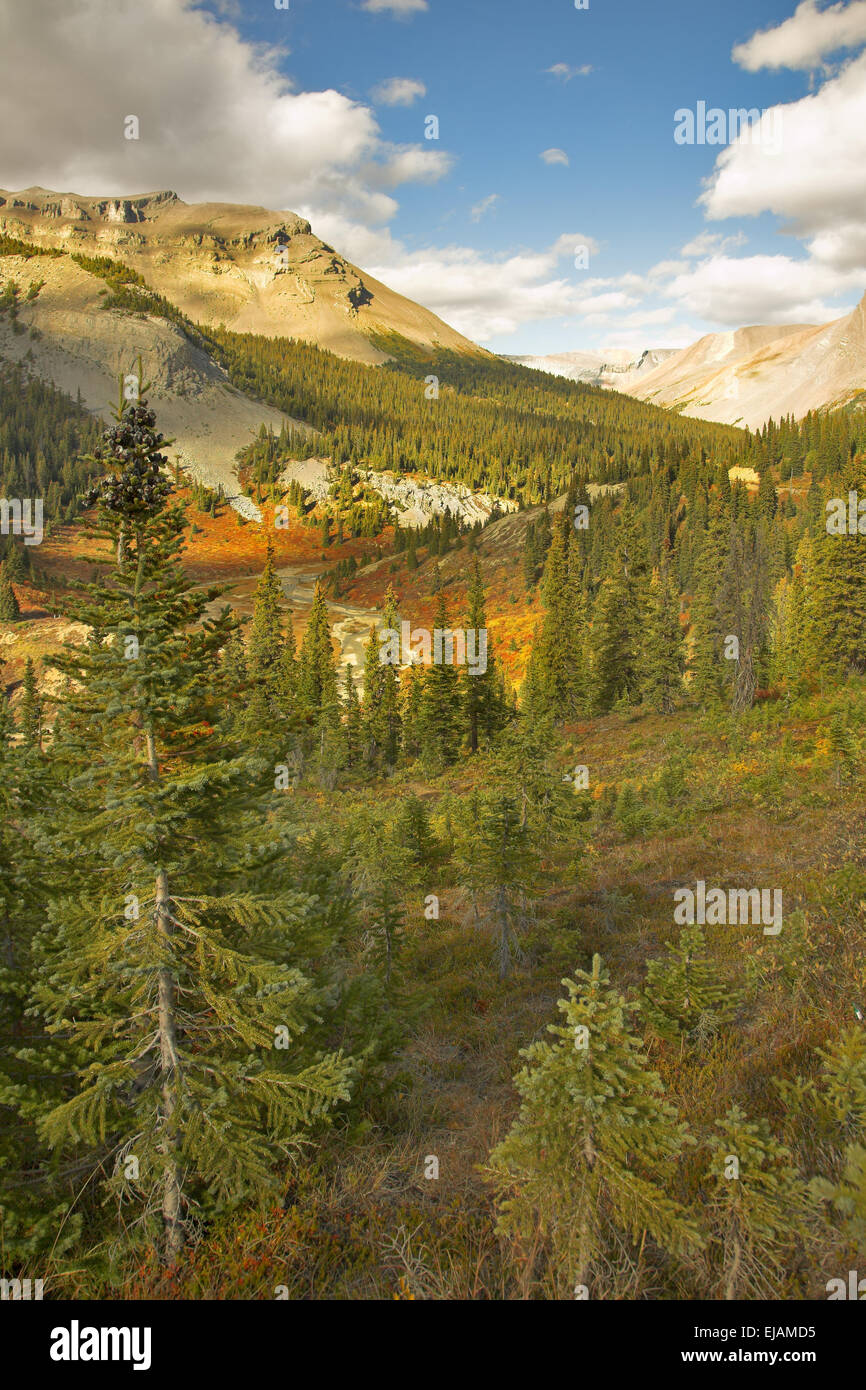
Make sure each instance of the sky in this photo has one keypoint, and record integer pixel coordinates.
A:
(556, 210)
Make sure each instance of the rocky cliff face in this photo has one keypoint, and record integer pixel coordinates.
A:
(254, 270)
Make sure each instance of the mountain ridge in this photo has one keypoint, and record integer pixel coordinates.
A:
(250, 268)
(741, 376)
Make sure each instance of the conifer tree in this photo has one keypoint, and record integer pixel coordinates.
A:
(846, 1195)
(35, 1192)
(662, 655)
(270, 658)
(552, 682)
(381, 716)
(317, 674)
(589, 1165)
(835, 637)
(766, 498)
(530, 572)
(619, 616)
(353, 721)
(837, 1116)
(745, 607)
(499, 862)
(173, 954)
(30, 717)
(481, 699)
(705, 684)
(683, 994)
(440, 704)
(412, 717)
(381, 865)
(414, 833)
(758, 1207)
(613, 645)
(10, 612)
(236, 677)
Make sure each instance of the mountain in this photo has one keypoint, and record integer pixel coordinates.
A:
(744, 377)
(737, 378)
(251, 269)
(613, 367)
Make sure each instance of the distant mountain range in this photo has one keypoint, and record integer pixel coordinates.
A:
(614, 367)
(738, 378)
(265, 272)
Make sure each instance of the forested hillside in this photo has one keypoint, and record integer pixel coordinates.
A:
(278, 933)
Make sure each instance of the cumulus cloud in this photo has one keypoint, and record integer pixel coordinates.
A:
(809, 36)
(554, 157)
(234, 130)
(734, 291)
(816, 181)
(484, 298)
(398, 91)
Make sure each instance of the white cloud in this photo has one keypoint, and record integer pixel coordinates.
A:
(806, 38)
(736, 291)
(712, 243)
(398, 91)
(816, 181)
(486, 205)
(235, 128)
(407, 164)
(401, 9)
(565, 72)
(554, 156)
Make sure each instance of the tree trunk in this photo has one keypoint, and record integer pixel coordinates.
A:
(172, 1196)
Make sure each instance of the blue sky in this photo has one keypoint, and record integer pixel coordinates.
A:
(556, 129)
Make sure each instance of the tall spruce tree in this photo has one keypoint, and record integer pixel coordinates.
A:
(835, 637)
(662, 656)
(10, 611)
(744, 603)
(482, 701)
(352, 720)
(174, 954)
(381, 713)
(440, 702)
(619, 617)
(317, 671)
(30, 714)
(270, 659)
(705, 618)
(555, 666)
